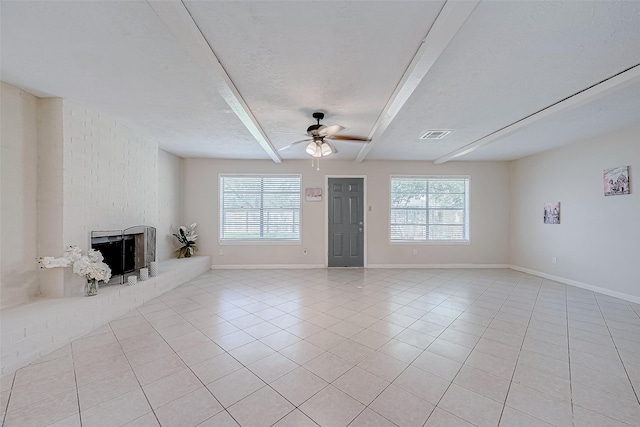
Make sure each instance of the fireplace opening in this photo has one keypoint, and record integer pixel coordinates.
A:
(126, 251)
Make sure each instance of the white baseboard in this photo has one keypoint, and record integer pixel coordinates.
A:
(438, 266)
(605, 291)
(267, 266)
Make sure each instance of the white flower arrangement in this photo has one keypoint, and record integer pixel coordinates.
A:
(91, 265)
(187, 237)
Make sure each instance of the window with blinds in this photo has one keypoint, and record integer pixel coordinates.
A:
(260, 207)
(429, 208)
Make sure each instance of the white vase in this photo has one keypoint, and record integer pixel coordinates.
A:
(144, 274)
(132, 280)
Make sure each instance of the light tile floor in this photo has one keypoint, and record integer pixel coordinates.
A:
(346, 347)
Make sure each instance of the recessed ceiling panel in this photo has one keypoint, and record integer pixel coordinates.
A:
(619, 110)
(289, 59)
(508, 61)
(119, 59)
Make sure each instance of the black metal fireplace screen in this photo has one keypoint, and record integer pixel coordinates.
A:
(126, 251)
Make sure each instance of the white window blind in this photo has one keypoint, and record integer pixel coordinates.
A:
(260, 207)
(428, 208)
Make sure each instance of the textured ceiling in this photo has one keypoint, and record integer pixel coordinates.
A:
(288, 59)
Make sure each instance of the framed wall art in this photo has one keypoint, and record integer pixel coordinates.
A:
(313, 194)
(552, 213)
(616, 181)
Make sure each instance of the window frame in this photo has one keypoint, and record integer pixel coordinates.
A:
(467, 209)
(260, 241)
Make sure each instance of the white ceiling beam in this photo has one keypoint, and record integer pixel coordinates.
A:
(177, 18)
(451, 18)
(624, 79)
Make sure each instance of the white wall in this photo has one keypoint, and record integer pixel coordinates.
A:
(18, 180)
(66, 171)
(489, 206)
(169, 203)
(598, 241)
(50, 191)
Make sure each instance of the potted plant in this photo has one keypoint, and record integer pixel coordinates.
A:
(187, 238)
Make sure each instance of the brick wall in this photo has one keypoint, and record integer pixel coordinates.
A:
(66, 171)
(110, 180)
(110, 175)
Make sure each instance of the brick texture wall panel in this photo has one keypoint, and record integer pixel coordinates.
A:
(111, 174)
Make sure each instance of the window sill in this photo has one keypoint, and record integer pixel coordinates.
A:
(260, 242)
(431, 242)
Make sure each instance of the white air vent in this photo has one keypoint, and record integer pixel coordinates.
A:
(435, 134)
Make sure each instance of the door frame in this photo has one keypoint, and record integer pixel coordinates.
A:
(326, 218)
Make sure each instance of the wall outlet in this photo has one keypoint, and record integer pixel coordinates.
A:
(220, 251)
(304, 251)
(554, 260)
(415, 252)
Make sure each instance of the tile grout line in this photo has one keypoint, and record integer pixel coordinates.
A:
(295, 407)
(134, 373)
(515, 366)
(174, 352)
(421, 353)
(188, 367)
(332, 291)
(367, 406)
(635, 392)
(75, 379)
(566, 298)
(401, 372)
(6, 409)
(246, 367)
(461, 363)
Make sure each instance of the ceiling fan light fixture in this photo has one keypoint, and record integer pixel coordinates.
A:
(317, 146)
(326, 149)
(311, 148)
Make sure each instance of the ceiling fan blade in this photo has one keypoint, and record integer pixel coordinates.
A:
(349, 138)
(286, 147)
(330, 130)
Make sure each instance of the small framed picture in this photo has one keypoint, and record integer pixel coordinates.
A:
(616, 181)
(552, 213)
(313, 194)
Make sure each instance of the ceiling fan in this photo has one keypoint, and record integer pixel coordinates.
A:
(319, 145)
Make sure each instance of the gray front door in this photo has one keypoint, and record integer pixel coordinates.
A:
(346, 222)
